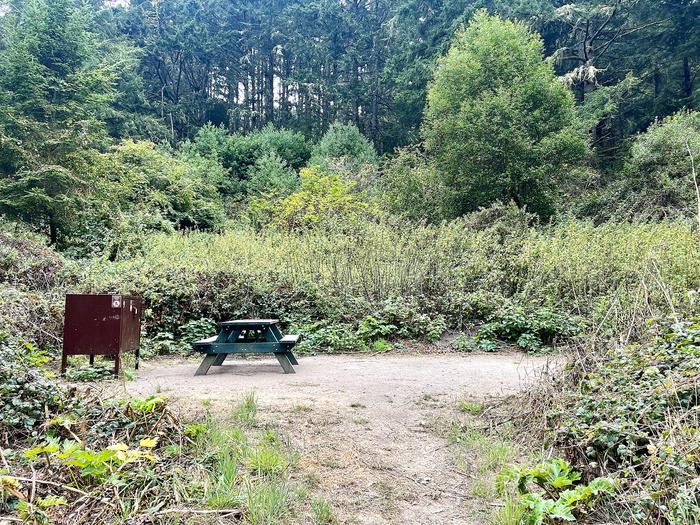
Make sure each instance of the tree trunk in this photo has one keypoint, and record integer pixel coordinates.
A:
(270, 88)
(53, 231)
(687, 80)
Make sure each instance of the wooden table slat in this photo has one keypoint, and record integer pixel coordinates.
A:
(251, 322)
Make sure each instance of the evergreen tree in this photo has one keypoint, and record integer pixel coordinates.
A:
(52, 95)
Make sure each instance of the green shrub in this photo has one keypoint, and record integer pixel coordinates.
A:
(343, 148)
(657, 182)
(497, 127)
(28, 391)
(529, 329)
(323, 199)
(559, 497)
(636, 413)
(411, 187)
(271, 178)
(335, 337)
(371, 328)
(239, 152)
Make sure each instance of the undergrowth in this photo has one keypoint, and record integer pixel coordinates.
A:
(69, 456)
(342, 291)
(630, 414)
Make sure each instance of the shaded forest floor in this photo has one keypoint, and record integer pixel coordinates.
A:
(381, 437)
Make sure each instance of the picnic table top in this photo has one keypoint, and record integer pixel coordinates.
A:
(250, 322)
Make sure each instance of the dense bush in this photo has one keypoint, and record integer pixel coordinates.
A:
(499, 127)
(474, 269)
(412, 188)
(657, 180)
(528, 328)
(271, 178)
(32, 280)
(138, 187)
(323, 200)
(28, 393)
(637, 416)
(238, 153)
(343, 147)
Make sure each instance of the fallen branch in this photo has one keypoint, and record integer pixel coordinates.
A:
(53, 484)
(226, 512)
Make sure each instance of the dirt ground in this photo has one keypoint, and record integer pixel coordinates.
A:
(366, 426)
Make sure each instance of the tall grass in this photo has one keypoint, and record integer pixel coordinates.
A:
(611, 274)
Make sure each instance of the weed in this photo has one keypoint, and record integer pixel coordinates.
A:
(497, 455)
(463, 343)
(247, 410)
(559, 495)
(312, 480)
(491, 453)
(322, 512)
(89, 373)
(270, 436)
(380, 346)
(195, 430)
(300, 409)
(470, 407)
(266, 501)
(510, 514)
(266, 461)
(483, 488)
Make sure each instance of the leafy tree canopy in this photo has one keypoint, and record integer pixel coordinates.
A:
(499, 124)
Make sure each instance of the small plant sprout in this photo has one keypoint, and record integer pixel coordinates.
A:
(470, 407)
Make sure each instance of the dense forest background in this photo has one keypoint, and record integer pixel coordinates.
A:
(180, 64)
(222, 87)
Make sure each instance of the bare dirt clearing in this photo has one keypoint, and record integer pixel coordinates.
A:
(369, 429)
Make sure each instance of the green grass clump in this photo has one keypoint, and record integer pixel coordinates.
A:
(247, 410)
(470, 407)
(267, 460)
(266, 502)
(322, 512)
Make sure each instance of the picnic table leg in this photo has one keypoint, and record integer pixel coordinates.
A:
(284, 362)
(291, 358)
(206, 363)
(219, 359)
(284, 356)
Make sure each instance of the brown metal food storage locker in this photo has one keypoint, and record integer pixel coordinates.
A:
(101, 325)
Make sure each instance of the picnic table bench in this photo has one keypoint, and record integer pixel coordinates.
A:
(247, 336)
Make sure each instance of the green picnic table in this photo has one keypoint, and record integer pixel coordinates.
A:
(247, 336)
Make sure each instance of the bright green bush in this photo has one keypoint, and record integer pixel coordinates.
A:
(137, 188)
(323, 199)
(552, 492)
(499, 125)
